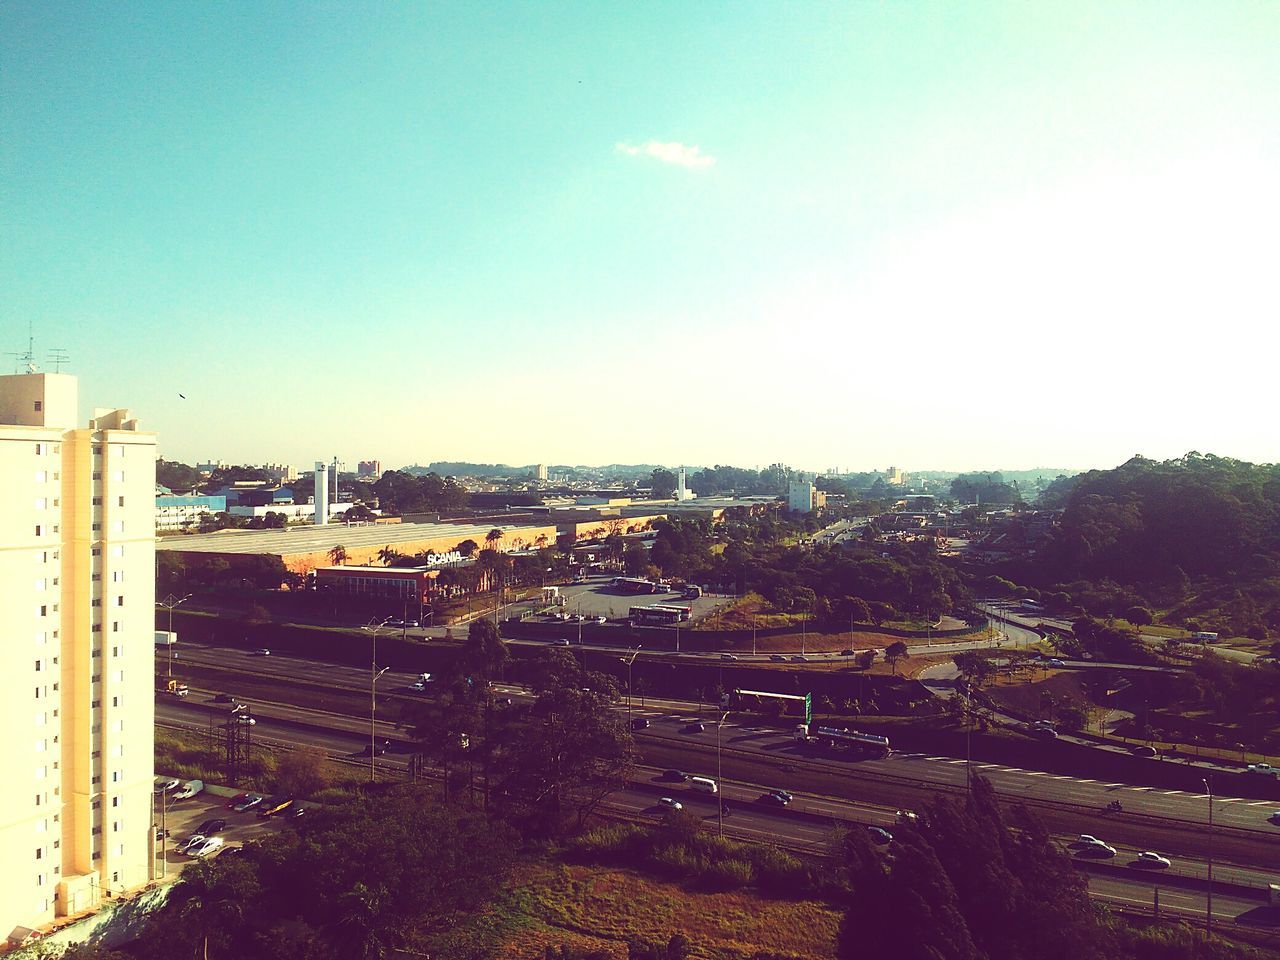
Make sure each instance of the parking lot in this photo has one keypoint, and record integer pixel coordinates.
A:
(597, 597)
(181, 817)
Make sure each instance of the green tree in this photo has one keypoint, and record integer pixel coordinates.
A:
(338, 555)
(302, 771)
(894, 653)
(662, 483)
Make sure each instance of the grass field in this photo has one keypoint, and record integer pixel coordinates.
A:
(602, 908)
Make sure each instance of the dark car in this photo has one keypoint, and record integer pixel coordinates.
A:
(778, 658)
(211, 826)
(678, 775)
(696, 727)
(377, 749)
(880, 836)
(296, 811)
(639, 723)
(846, 653)
(222, 698)
(799, 658)
(777, 798)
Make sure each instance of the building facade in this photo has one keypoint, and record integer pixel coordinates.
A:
(175, 513)
(77, 702)
(369, 468)
(804, 497)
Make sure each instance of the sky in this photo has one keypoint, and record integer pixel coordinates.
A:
(933, 235)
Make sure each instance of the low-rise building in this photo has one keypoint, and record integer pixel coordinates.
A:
(176, 513)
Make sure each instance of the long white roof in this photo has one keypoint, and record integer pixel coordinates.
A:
(315, 539)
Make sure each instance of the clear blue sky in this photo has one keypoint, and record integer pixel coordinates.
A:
(935, 235)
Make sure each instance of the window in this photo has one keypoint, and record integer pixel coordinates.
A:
(97, 449)
(97, 501)
(39, 405)
(42, 503)
(115, 801)
(39, 529)
(96, 551)
(95, 602)
(95, 653)
(97, 474)
(42, 476)
(117, 576)
(115, 626)
(44, 610)
(97, 527)
(118, 526)
(42, 584)
(38, 666)
(115, 701)
(121, 502)
(39, 853)
(120, 601)
(96, 628)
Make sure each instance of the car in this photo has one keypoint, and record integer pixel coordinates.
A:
(846, 653)
(640, 723)
(560, 643)
(778, 658)
(1263, 769)
(377, 749)
(908, 816)
(223, 698)
(1045, 733)
(418, 686)
(210, 846)
(197, 839)
(250, 801)
(238, 799)
(1152, 860)
(1144, 751)
(188, 790)
(880, 836)
(211, 826)
(1054, 662)
(261, 652)
(599, 620)
(777, 798)
(785, 794)
(678, 775)
(1097, 850)
(727, 656)
(1275, 817)
(245, 720)
(799, 658)
(696, 727)
(296, 811)
(671, 803)
(165, 784)
(274, 805)
(1087, 840)
(401, 624)
(1043, 723)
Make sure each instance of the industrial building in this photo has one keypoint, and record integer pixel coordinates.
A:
(303, 549)
(77, 564)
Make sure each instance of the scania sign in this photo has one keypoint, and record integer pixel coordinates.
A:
(443, 559)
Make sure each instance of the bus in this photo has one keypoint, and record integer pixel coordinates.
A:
(843, 737)
(685, 612)
(655, 616)
(634, 585)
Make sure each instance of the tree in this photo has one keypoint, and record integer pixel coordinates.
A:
(467, 548)
(212, 900)
(338, 555)
(866, 658)
(303, 771)
(1139, 616)
(484, 653)
(662, 483)
(387, 555)
(974, 667)
(895, 652)
(636, 558)
(492, 538)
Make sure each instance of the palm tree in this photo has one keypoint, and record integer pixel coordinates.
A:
(386, 555)
(359, 929)
(541, 541)
(211, 898)
(492, 537)
(338, 555)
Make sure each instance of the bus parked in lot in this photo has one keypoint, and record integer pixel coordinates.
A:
(655, 616)
(634, 585)
(685, 612)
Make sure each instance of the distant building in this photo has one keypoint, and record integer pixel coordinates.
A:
(369, 468)
(542, 473)
(175, 513)
(279, 472)
(804, 497)
(896, 477)
(683, 492)
(210, 467)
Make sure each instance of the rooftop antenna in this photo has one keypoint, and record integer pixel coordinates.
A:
(58, 356)
(27, 359)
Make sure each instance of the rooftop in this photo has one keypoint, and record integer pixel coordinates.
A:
(315, 539)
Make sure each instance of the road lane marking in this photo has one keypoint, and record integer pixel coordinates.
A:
(957, 761)
(1088, 781)
(1116, 785)
(1260, 803)
(1036, 773)
(1170, 793)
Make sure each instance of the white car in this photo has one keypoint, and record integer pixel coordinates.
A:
(1266, 769)
(1149, 858)
(670, 803)
(1088, 841)
(192, 842)
(211, 845)
(245, 720)
(261, 652)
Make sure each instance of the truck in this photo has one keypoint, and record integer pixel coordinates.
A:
(842, 737)
(1205, 636)
(1263, 769)
(188, 789)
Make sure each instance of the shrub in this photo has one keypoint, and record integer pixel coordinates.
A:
(674, 861)
(727, 874)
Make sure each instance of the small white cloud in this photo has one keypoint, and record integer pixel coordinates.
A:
(674, 152)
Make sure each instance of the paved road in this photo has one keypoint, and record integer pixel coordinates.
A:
(776, 747)
(809, 823)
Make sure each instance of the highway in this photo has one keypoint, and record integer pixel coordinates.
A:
(1171, 821)
(807, 825)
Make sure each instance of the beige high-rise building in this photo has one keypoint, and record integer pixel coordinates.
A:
(77, 615)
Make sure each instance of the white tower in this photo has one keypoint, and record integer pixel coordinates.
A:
(322, 493)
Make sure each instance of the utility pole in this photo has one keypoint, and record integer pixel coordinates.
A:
(753, 634)
(629, 661)
(1208, 907)
(719, 774)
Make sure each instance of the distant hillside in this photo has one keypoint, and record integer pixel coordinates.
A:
(1197, 538)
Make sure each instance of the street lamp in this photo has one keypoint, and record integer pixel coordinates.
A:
(374, 673)
(629, 661)
(719, 774)
(169, 603)
(1208, 908)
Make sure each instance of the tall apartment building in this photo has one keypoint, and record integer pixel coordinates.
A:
(77, 615)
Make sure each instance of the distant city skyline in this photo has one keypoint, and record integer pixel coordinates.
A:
(953, 234)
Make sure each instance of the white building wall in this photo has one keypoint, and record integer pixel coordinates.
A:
(76, 666)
